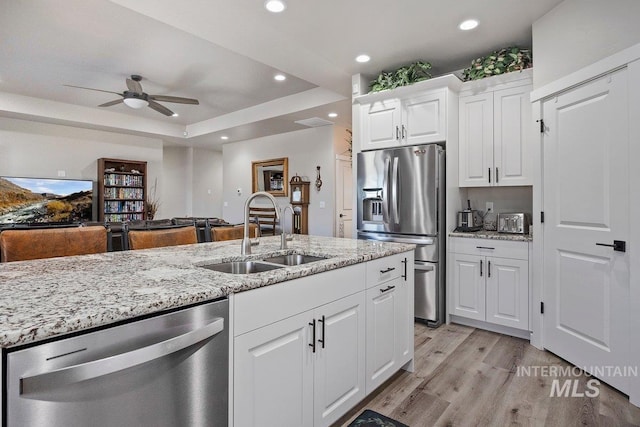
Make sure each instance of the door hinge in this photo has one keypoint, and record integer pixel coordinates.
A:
(541, 121)
(542, 216)
(541, 307)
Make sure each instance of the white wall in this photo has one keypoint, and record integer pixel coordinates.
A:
(207, 183)
(577, 33)
(305, 150)
(40, 150)
(505, 199)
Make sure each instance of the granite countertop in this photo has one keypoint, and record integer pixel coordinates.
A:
(41, 299)
(494, 235)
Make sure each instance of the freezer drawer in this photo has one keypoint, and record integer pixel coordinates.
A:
(169, 370)
(426, 292)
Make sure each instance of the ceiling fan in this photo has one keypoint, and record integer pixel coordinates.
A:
(136, 98)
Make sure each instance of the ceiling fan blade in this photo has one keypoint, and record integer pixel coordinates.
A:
(134, 86)
(110, 103)
(160, 108)
(90, 88)
(176, 99)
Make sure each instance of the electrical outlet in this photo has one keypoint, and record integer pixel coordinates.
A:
(322, 205)
(62, 174)
(489, 207)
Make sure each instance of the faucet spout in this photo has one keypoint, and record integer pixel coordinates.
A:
(283, 237)
(246, 241)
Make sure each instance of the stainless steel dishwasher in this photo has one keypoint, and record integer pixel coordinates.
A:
(168, 370)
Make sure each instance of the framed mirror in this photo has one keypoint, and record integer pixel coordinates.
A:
(271, 176)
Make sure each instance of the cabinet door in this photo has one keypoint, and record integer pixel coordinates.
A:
(508, 292)
(468, 286)
(273, 374)
(381, 124)
(424, 119)
(476, 141)
(405, 312)
(512, 136)
(383, 303)
(339, 378)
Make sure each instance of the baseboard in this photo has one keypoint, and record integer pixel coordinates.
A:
(505, 330)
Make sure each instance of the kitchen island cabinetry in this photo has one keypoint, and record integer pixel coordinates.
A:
(303, 361)
(489, 282)
(495, 132)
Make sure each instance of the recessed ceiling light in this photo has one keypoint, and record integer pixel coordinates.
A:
(467, 25)
(363, 58)
(175, 115)
(224, 137)
(332, 115)
(275, 6)
(280, 77)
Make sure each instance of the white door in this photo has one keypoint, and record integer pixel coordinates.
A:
(340, 358)
(383, 302)
(586, 190)
(275, 386)
(344, 197)
(468, 286)
(381, 124)
(508, 292)
(476, 141)
(512, 127)
(423, 119)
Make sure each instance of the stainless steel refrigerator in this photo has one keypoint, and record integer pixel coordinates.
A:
(401, 199)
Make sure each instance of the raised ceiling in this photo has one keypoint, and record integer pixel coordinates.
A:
(225, 53)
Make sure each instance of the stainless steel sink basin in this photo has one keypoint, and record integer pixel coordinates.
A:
(294, 259)
(241, 267)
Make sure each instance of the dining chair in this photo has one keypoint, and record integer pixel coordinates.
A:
(233, 232)
(161, 236)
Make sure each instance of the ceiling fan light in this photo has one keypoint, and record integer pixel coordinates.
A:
(136, 103)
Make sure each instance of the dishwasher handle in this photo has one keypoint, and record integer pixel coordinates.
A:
(119, 362)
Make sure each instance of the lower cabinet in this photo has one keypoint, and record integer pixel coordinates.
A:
(490, 281)
(302, 371)
(308, 350)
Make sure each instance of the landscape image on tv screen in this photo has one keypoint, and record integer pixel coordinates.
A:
(43, 200)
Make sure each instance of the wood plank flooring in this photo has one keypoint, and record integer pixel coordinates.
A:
(469, 377)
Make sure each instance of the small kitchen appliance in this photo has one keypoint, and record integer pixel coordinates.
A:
(514, 223)
(469, 219)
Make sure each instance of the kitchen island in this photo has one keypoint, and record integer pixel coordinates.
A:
(45, 299)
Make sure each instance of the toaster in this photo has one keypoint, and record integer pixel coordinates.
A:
(515, 223)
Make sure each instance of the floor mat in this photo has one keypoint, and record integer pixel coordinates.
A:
(371, 418)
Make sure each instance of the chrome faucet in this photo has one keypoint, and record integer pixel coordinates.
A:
(283, 237)
(246, 241)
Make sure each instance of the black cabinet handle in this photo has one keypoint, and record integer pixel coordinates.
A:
(387, 270)
(323, 339)
(618, 245)
(489, 175)
(480, 268)
(497, 176)
(484, 247)
(404, 276)
(313, 336)
(387, 289)
(397, 133)
(489, 269)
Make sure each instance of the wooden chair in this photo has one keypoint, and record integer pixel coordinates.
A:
(266, 218)
(232, 233)
(36, 243)
(160, 237)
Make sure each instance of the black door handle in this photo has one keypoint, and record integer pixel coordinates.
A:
(313, 336)
(618, 245)
(341, 215)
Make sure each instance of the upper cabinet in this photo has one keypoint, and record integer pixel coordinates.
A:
(393, 122)
(495, 132)
(409, 115)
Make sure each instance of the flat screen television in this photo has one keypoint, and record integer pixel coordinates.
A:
(45, 200)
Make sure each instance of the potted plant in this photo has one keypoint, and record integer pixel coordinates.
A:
(403, 76)
(499, 62)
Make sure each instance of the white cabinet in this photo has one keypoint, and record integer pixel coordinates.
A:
(495, 138)
(419, 119)
(389, 318)
(300, 352)
(489, 281)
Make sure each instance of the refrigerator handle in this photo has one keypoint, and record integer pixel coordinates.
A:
(385, 186)
(394, 190)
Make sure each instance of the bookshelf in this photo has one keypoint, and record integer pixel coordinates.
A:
(122, 189)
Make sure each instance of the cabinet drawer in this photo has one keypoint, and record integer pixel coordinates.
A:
(489, 247)
(382, 269)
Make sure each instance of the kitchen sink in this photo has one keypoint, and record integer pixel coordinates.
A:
(294, 259)
(241, 267)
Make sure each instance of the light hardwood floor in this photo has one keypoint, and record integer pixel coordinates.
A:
(469, 377)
